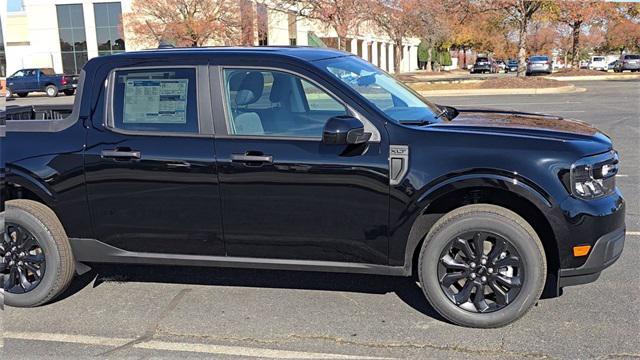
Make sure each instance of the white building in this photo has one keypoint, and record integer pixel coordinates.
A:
(64, 34)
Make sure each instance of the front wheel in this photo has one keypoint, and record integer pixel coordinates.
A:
(36, 261)
(482, 266)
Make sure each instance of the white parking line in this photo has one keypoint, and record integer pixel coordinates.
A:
(633, 233)
(621, 175)
(177, 346)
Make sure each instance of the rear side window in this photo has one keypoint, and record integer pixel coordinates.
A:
(155, 100)
(47, 71)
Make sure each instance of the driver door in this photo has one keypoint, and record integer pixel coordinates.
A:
(285, 194)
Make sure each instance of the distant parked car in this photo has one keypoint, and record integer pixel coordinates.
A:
(512, 65)
(598, 63)
(584, 64)
(501, 65)
(24, 81)
(629, 62)
(539, 64)
(485, 65)
(612, 65)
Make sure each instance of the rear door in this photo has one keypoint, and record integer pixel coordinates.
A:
(150, 165)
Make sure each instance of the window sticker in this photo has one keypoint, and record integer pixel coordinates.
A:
(155, 101)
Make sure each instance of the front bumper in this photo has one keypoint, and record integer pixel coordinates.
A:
(604, 253)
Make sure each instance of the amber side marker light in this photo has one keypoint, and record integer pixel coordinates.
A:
(581, 250)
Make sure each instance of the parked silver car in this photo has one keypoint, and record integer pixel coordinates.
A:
(628, 62)
(539, 64)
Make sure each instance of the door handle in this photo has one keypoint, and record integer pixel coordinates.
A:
(179, 165)
(252, 158)
(120, 154)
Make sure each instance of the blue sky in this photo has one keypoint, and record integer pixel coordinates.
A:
(14, 5)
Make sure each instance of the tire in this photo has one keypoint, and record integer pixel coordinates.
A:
(522, 240)
(59, 264)
(69, 92)
(23, 94)
(8, 93)
(51, 90)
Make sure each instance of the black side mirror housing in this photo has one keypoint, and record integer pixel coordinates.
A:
(344, 130)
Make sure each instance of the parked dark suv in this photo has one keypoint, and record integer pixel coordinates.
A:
(485, 65)
(306, 159)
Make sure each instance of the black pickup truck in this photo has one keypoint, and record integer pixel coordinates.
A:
(306, 159)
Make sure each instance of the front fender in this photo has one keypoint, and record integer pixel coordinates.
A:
(419, 216)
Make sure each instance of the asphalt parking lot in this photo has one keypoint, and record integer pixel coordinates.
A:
(145, 312)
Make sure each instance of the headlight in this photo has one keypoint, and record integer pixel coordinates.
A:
(594, 176)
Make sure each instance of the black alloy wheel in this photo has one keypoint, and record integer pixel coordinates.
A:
(480, 271)
(22, 260)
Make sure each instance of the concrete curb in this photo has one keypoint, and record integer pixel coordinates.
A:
(594, 77)
(526, 91)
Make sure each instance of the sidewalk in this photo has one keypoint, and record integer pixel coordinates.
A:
(484, 92)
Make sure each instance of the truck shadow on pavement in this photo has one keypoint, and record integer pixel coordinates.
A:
(406, 288)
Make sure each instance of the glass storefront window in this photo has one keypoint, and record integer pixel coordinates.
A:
(108, 18)
(73, 39)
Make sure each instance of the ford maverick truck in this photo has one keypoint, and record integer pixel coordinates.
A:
(306, 159)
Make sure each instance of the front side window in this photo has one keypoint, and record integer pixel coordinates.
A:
(382, 90)
(157, 100)
(274, 103)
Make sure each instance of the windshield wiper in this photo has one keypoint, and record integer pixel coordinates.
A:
(415, 122)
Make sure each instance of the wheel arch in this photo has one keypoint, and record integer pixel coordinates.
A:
(21, 185)
(526, 201)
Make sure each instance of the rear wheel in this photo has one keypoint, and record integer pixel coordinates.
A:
(23, 94)
(51, 90)
(36, 261)
(482, 266)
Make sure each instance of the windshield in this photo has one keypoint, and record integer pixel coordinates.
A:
(632, 57)
(382, 90)
(598, 59)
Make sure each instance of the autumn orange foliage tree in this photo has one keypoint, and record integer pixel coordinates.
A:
(186, 22)
(398, 19)
(578, 14)
(623, 29)
(343, 16)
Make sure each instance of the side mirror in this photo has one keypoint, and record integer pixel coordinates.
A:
(344, 130)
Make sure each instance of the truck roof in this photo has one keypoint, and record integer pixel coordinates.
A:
(300, 52)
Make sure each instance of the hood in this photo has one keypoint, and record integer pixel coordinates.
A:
(528, 124)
